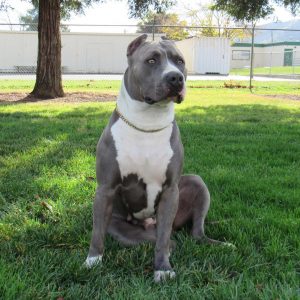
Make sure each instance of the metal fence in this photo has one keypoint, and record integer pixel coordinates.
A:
(258, 52)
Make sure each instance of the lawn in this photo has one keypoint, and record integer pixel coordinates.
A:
(246, 147)
(112, 87)
(287, 70)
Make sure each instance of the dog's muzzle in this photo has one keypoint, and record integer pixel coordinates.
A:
(174, 83)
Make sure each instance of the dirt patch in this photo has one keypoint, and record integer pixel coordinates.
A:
(286, 96)
(226, 85)
(236, 85)
(6, 98)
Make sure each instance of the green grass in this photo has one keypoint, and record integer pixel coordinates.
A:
(245, 146)
(103, 86)
(112, 87)
(287, 70)
(242, 87)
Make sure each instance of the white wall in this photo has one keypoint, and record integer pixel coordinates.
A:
(212, 55)
(81, 52)
(206, 55)
(243, 62)
(18, 49)
(296, 56)
(95, 53)
(187, 48)
(106, 53)
(270, 56)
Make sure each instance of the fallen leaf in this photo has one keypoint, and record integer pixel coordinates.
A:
(47, 205)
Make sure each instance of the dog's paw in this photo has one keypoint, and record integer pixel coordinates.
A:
(160, 276)
(92, 261)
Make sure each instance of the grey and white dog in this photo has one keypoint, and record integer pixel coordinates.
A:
(141, 194)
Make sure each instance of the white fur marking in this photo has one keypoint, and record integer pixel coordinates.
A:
(160, 276)
(145, 154)
(143, 115)
(152, 190)
(170, 67)
(92, 261)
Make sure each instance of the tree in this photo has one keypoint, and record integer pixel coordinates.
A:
(3, 5)
(216, 23)
(140, 8)
(202, 17)
(31, 18)
(252, 10)
(173, 33)
(48, 76)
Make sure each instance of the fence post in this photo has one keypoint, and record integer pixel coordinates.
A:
(293, 63)
(252, 56)
(153, 29)
(271, 56)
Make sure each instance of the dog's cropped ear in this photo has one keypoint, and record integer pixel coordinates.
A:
(165, 39)
(136, 43)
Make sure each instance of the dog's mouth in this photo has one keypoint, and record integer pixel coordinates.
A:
(171, 95)
(149, 100)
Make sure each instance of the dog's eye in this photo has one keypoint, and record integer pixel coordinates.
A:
(151, 61)
(180, 61)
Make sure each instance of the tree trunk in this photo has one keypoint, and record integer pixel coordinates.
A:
(48, 75)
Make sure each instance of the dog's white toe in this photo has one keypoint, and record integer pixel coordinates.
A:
(92, 261)
(160, 276)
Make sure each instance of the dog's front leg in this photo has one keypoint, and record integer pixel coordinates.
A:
(102, 212)
(166, 212)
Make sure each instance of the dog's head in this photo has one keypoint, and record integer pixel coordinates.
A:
(156, 71)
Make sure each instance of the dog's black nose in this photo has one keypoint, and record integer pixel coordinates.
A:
(175, 79)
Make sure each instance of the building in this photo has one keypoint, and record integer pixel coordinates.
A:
(265, 55)
(105, 53)
(206, 55)
(81, 52)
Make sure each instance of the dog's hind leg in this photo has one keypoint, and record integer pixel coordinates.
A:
(129, 234)
(194, 201)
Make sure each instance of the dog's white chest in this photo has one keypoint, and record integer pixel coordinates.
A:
(145, 154)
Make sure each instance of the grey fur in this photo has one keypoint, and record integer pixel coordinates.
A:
(182, 198)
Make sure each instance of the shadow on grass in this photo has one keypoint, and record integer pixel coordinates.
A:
(37, 165)
(51, 158)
